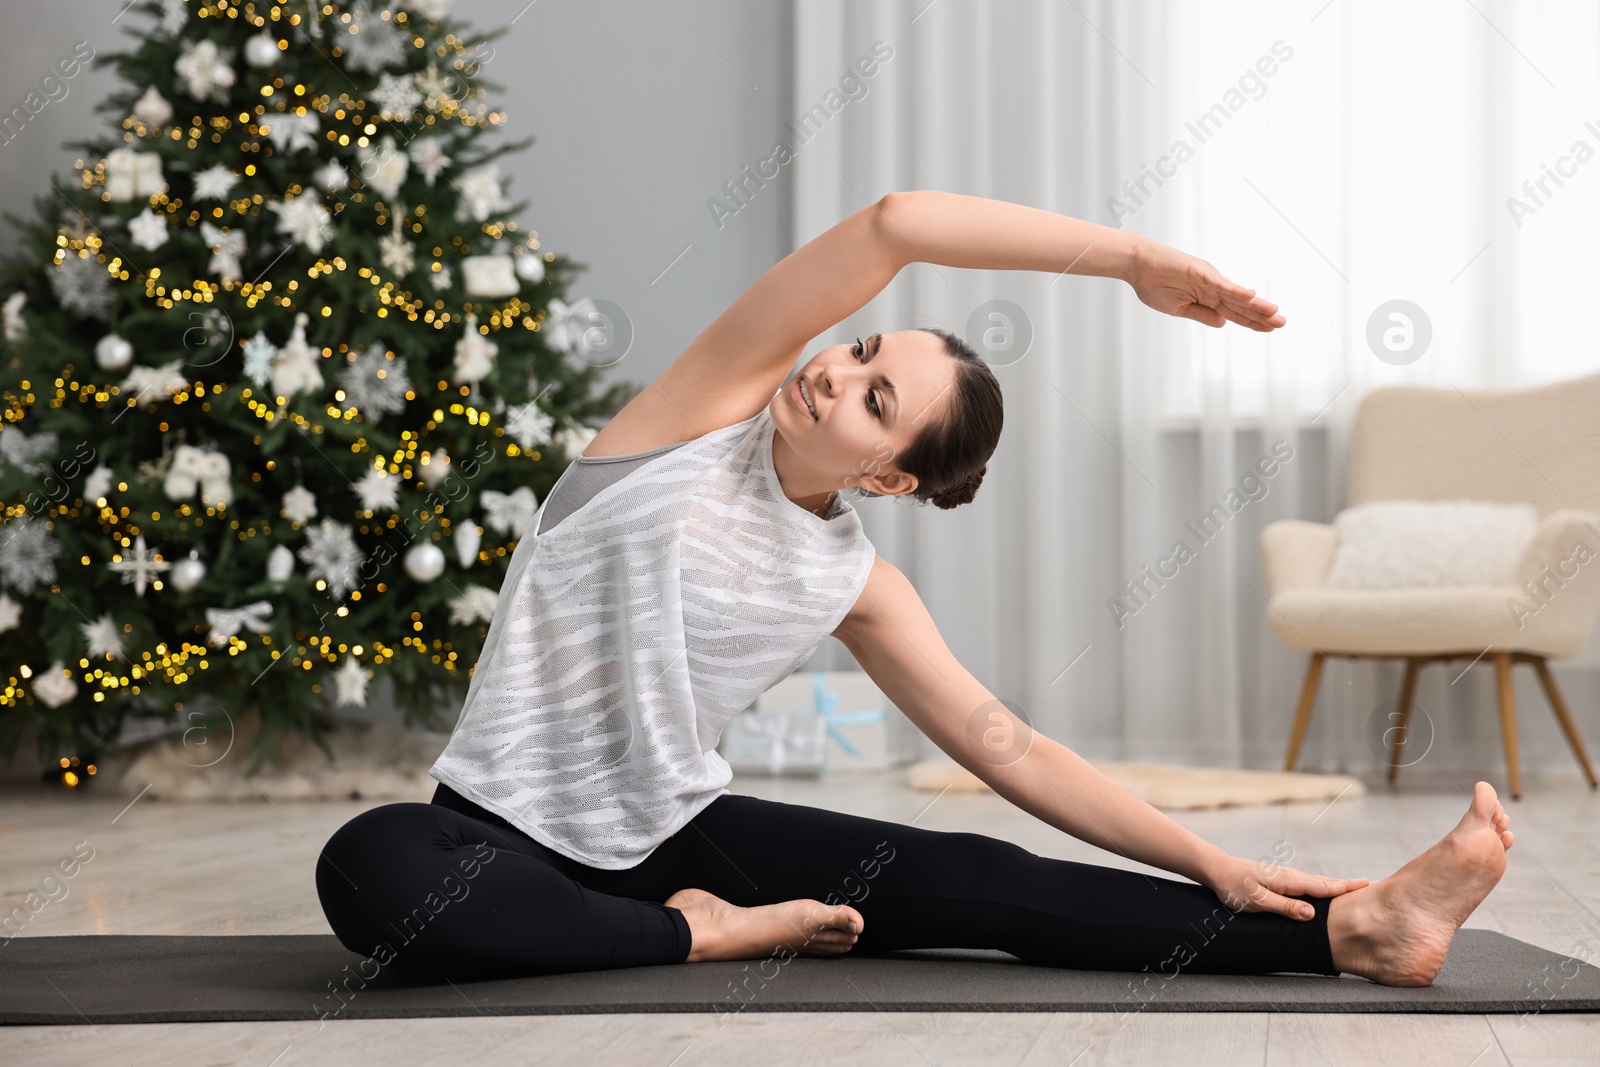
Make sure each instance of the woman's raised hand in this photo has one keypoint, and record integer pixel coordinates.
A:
(1180, 284)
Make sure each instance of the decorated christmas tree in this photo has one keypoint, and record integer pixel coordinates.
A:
(283, 380)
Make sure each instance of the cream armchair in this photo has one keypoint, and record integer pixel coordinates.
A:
(1540, 446)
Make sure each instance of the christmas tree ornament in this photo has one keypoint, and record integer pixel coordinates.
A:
(434, 467)
(384, 167)
(258, 356)
(204, 69)
(474, 354)
(16, 327)
(304, 220)
(572, 440)
(280, 564)
(10, 613)
(300, 505)
(133, 175)
(292, 130)
(103, 637)
(476, 604)
(226, 623)
(332, 556)
(332, 177)
(530, 265)
(27, 553)
(424, 561)
(154, 383)
(141, 567)
(205, 469)
(378, 490)
(214, 183)
(148, 229)
(375, 383)
(30, 453)
(113, 353)
(370, 40)
(188, 573)
(261, 50)
(98, 484)
(174, 14)
(467, 536)
(55, 686)
(82, 285)
(481, 193)
(297, 367)
(396, 96)
(490, 276)
(429, 156)
(441, 277)
(431, 9)
(397, 254)
(351, 679)
(152, 108)
(226, 248)
(509, 513)
(529, 424)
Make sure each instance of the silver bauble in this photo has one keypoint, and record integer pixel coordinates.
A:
(187, 573)
(113, 353)
(425, 561)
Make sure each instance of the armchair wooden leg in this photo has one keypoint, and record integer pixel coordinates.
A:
(1302, 715)
(1408, 689)
(1508, 720)
(1553, 692)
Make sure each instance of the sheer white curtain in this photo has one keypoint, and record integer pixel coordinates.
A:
(1335, 156)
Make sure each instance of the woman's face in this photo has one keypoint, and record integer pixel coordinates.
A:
(870, 404)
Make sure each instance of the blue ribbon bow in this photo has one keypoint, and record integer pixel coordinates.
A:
(824, 699)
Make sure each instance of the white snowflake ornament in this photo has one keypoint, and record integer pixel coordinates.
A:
(378, 490)
(215, 182)
(477, 604)
(300, 505)
(375, 383)
(429, 157)
(332, 556)
(102, 636)
(149, 230)
(305, 220)
(481, 193)
(397, 253)
(140, 567)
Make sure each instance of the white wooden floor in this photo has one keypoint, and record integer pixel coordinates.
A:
(170, 868)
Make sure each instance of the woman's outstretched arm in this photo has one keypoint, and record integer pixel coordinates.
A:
(891, 635)
(932, 226)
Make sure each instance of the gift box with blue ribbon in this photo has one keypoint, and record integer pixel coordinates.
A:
(810, 722)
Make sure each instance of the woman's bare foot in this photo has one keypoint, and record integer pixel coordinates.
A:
(722, 931)
(1397, 931)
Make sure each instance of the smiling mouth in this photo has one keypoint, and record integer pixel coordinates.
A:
(804, 396)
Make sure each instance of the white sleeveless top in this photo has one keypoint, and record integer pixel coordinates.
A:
(628, 634)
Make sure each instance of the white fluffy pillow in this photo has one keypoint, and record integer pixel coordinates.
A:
(1393, 544)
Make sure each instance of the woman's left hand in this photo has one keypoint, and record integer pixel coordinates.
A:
(1243, 885)
(1179, 284)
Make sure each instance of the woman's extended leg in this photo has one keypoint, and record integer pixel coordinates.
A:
(432, 890)
(918, 888)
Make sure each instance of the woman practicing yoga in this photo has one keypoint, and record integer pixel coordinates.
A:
(698, 552)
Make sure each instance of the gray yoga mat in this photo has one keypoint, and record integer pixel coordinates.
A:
(134, 979)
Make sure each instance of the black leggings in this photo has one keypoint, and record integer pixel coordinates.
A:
(449, 889)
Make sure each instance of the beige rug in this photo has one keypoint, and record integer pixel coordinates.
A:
(1170, 787)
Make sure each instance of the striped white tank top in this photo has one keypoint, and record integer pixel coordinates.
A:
(629, 633)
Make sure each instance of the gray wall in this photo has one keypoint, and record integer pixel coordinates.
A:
(641, 110)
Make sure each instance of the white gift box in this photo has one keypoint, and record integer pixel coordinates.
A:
(775, 743)
(859, 716)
